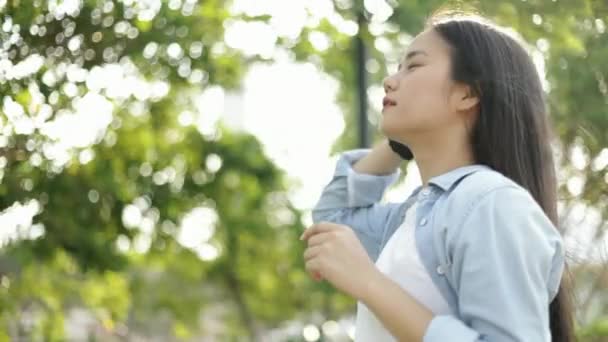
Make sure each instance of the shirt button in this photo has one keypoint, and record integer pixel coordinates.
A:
(423, 222)
(425, 192)
(440, 270)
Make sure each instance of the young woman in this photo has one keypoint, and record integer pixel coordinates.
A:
(474, 253)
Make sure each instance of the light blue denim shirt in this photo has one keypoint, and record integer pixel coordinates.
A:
(488, 246)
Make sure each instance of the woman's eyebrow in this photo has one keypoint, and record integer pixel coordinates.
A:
(411, 55)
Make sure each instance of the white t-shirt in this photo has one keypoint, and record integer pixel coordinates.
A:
(400, 261)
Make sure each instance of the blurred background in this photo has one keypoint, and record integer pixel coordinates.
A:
(159, 159)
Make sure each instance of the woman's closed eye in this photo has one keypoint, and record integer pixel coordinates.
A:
(412, 66)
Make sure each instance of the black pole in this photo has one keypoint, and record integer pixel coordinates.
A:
(360, 61)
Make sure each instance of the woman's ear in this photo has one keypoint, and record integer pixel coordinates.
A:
(465, 98)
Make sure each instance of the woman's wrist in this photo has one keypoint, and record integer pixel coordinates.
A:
(382, 160)
(372, 285)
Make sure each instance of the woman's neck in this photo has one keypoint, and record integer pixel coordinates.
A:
(440, 156)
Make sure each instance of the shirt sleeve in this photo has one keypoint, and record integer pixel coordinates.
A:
(353, 199)
(507, 261)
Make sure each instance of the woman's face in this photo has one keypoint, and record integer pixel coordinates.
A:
(419, 94)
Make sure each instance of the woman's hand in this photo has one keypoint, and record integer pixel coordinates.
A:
(335, 254)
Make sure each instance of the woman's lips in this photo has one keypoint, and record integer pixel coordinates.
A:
(386, 102)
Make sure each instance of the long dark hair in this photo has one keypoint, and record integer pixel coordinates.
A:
(512, 133)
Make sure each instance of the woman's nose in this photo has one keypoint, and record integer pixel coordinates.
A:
(390, 84)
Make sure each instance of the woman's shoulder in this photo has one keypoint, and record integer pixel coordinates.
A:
(488, 200)
(484, 181)
(479, 186)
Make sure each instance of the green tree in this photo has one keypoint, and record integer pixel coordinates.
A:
(133, 183)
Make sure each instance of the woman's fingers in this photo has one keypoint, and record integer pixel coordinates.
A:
(316, 235)
(319, 238)
(312, 267)
(318, 228)
(312, 252)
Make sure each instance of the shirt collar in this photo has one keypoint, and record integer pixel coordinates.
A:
(447, 180)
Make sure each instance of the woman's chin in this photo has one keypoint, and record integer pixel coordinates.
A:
(391, 132)
(387, 129)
